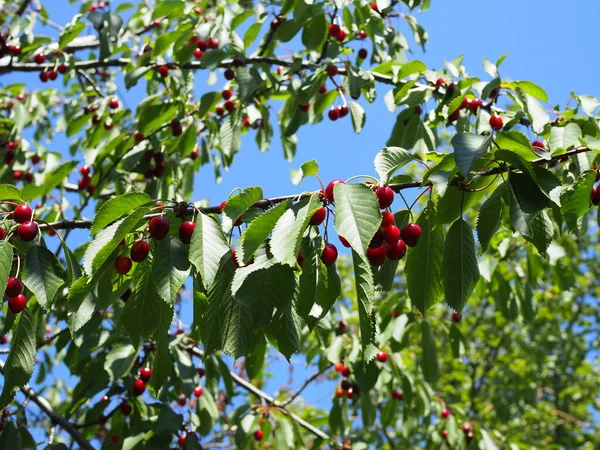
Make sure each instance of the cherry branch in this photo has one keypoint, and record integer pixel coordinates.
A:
(309, 380)
(56, 418)
(264, 396)
(22, 7)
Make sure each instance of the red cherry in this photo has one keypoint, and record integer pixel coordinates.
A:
(440, 82)
(113, 103)
(14, 287)
(258, 435)
(454, 116)
(222, 206)
(333, 114)
(362, 34)
(62, 69)
(322, 89)
(475, 104)
(123, 264)
(229, 74)
(12, 145)
(411, 234)
(201, 371)
(304, 107)
(139, 387)
(456, 316)
(229, 106)
(22, 214)
(145, 374)
(396, 251)
(496, 123)
(445, 413)
(2, 233)
(186, 230)
(466, 427)
(139, 251)
(39, 58)
(377, 239)
(198, 53)
(332, 70)
(52, 75)
(329, 189)
(374, 7)
(194, 154)
(226, 94)
(362, 53)
(219, 111)
(594, 196)
(198, 391)
(125, 408)
(158, 227)
(444, 433)
(27, 231)
(538, 145)
(398, 395)
(181, 440)
(385, 196)
(17, 304)
(163, 71)
(343, 110)
(339, 393)
(276, 23)
(339, 367)
(15, 50)
(334, 30)
(470, 436)
(84, 170)
(138, 136)
(344, 242)
(341, 36)
(319, 216)
(17, 174)
(346, 372)
(391, 234)
(329, 254)
(387, 219)
(181, 400)
(382, 357)
(35, 159)
(376, 256)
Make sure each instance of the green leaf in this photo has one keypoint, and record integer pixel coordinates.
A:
(6, 262)
(315, 32)
(117, 207)
(357, 215)
(208, 412)
(517, 142)
(541, 232)
(119, 361)
(171, 267)
(287, 234)
(309, 168)
(490, 217)
(536, 112)
(237, 332)
(43, 275)
(131, 78)
(563, 138)
(207, 103)
(258, 231)
(389, 160)
(251, 34)
(207, 248)
(9, 192)
(468, 148)
(21, 358)
(70, 33)
(533, 90)
(429, 362)
(213, 321)
(423, 263)
(357, 113)
(164, 41)
(287, 331)
(153, 116)
(575, 200)
(162, 360)
(518, 218)
(55, 177)
(238, 204)
(365, 296)
(460, 271)
(141, 313)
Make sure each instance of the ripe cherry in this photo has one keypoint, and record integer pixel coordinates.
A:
(385, 196)
(398, 395)
(226, 94)
(440, 82)
(329, 254)
(125, 408)
(334, 30)
(329, 189)
(123, 264)
(339, 393)
(276, 23)
(475, 104)
(229, 106)
(304, 107)
(444, 433)
(181, 440)
(22, 214)
(194, 154)
(538, 145)
(396, 251)
(17, 304)
(496, 123)
(374, 6)
(322, 89)
(62, 69)
(391, 234)
(158, 227)
(39, 58)
(145, 374)
(52, 75)
(387, 219)
(333, 114)
(382, 357)
(466, 427)
(594, 196)
(198, 53)
(362, 34)
(186, 230)
(456, 316)
(319, 216)
(181, 400)
(198, 391)
(201, 371)
(339, 366)
(14, 287)
(17, 174)
(27, 231)
(376, 256)
(341, 36)
(258, 435)
(2, 233)
(113, 103)
(140, 250)
(377, 239)
(163, 71)
(346, 372)
(362, 53)
(138, 136)
(343, 110)
(344, 242)
(139, 387)
(332, 70)
(445, 413)
(43, 77)
(411, 234)
(229, 74)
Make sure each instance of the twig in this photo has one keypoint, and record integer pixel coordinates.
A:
(23, 7)
(91, 83)
(56, 418)
(313, 377)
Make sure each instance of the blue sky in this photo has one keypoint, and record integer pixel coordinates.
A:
(547, 42)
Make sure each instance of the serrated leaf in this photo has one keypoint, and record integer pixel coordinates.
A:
(518, 218)
(541, 232)
(6, 262)
(517, 142)
(238, 204)
(460, 271)
(423, 263)
(357, 113)
(251, 34)
(9, 192)
(170, 267)
(141, 313)
(575, 200)
(219, 295)
(429, 361)
(119, 361)
(54, 178)
(117, 207)
(468, 148)
(43, 275)
(162, 360)
(365, 296)
(258, 231)
(153, 116)
(21, 357)
(357, 215)
(70, 33)
(533, 90)
(287, 331)
(490, 217)
(207, 248)
(287, 234)
(536, 112)
(563, 138)
(389, 160)
(315, 32)
(309, 168)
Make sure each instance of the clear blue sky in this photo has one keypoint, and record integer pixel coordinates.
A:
(547, 42)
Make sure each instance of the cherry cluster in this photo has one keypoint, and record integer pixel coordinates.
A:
(158, 169)
(85, 183)
(595, 194)
(7, 49)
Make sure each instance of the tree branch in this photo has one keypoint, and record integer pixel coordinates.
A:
(56, 418)
(313, 377)
(23, 7)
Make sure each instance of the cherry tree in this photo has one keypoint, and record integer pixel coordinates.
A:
(463, 318)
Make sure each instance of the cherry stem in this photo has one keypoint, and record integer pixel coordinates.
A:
(362, 176)
(419, 196)
(424, 163)
(484, 187)
(320, 182)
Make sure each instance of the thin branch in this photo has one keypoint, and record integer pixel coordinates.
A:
(91, 83)
(23, 7)
(313, 377)
(56, 418)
